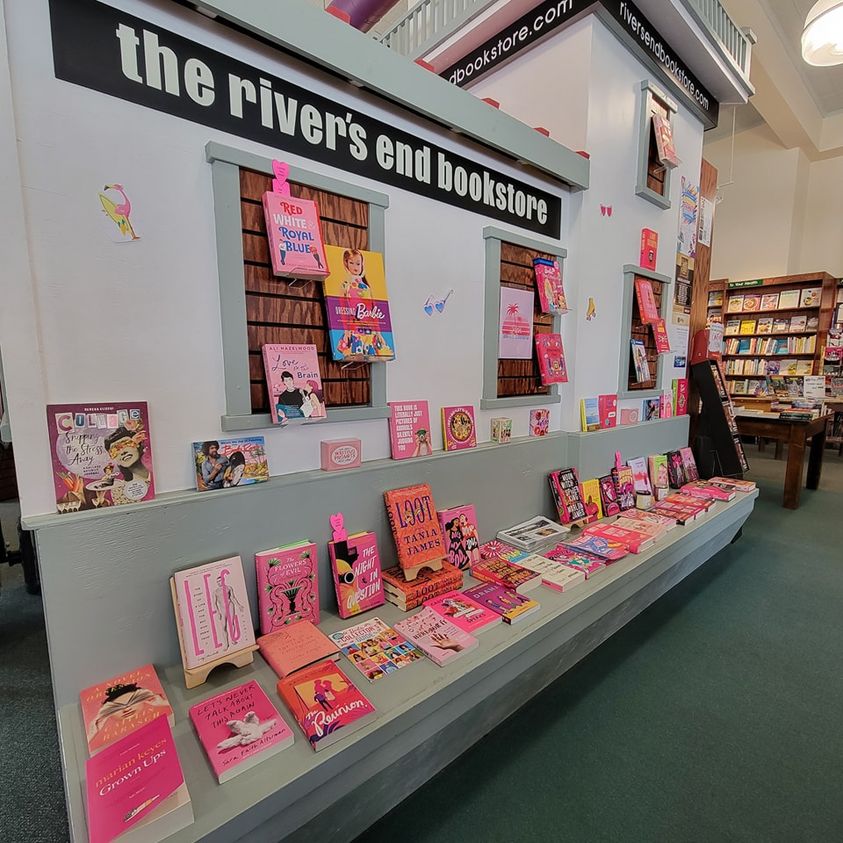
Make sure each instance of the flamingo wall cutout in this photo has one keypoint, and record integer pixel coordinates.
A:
(119, 212)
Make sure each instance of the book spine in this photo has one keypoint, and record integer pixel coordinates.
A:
(426, 590)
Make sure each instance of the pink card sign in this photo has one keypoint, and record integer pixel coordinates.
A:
(515, 339)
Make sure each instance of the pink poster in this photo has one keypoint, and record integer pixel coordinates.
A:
(515, 341)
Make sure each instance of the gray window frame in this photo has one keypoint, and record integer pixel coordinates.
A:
(649, 93)
(5, 426)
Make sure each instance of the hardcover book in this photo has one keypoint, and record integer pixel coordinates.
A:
(639, 361)
(650, 409)
(515, 336)
(506, 574)
(414, 524)
(640, 476)
(356, 569)
(643, 517)
(657, 464)
(607, 408)
(357, 304)
(633, 540)
(550, 287)
(649, 248)
(294, 232)
(463, 612)
(296, 646)
(212, 610)
(531, 535)
(609, 550)
(226, 463)
(676, 470)
(647, 307)
(660, 336)
(747, 326)
(326, 704)
(510, 605)
(769, 301)
(810, 297)
(375, 649)
(680, 396)
(293, 382)
(101, 453)
(120, 705)
(288, 589)
(781, 326)
(553, 574)
(409, 429)
(752, 302)
(152, 803)
(689, 464)
(565, 488)
(551, 357)
(589, 414)
(428, 584)
(577, 559)
(664, 141)
(590, 493)
(608, 496)
(238, 729)
(798, 324)
(735, 304)
(440, 640)
(459, 528)
(458, 428)
(539, 422)
(624, 487)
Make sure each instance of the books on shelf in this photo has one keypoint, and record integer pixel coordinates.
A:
(732, 482)
(293, 382)
(459, 529)
(650, 250)
(539, 421)
(607, 407)
(735, 304)
(533, 534)
(640, 476)
(689, 464)
(608, 496)
(660, 336)
(469, 615)
(409, 429)
(550, 286)
(706, 491)
(510, 605)
(657, 468)
(414, 524)
(238, 729)
(375, 648)
(589, 414)
(640, 363)
(325, 703)
(788, 299)
(459, 430)
(642, 517)
(428, 584)
(765, 325)
(578, 559)
(747, 326)
(565, 488)
(437, 637)
(228, 463)
(553, 573)
(296, 646)
(119, 706)
(751, 302)
(590, 494)
(798, 323)
(288, 588)
(676, 470)
(679, 387)
(506, 574)
(810, 297)
(356, 571)
(647, 308)
(515, 332)
(624, 486)
(769, 301)
(664, 141)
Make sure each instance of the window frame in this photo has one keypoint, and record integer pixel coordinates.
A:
(650, 93)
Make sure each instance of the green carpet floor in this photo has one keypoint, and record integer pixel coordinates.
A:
(715, 715)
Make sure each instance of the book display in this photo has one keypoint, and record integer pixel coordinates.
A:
(287, 586)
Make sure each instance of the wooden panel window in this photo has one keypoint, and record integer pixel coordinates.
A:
(639, 330)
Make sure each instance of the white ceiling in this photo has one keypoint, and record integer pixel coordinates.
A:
(745, 117)
(824, 83)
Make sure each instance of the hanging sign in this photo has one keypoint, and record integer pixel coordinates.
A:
(105, 49)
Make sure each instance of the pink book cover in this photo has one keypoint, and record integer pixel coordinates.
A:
(130, 779)
(609, 496)
(647, 307)
(238, 726)
(459, 527)
(296, 646)
(632, 416)
(660, 335)
(295, 236)
(608, 550)
(607, 407)
(649, 248)
(690, 464)
(463, 612)
(102, 454)
(356, 567)
(550, 286)
(579, 560)
(702, 490)
(539, 422)
(458, 428)
(441, 640)
(665, 405)
(515, 336)
(551, 357)
(495, 548)
(213, 611)
(288, 588)
(293, 382)
(409, 429)
(633, 540)
(122, 704)
(640, 476)
(506, 574)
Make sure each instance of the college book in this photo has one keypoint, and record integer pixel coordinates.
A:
(296, 646)
(463, 612)
(375, 649)
(441, 640)
(137, 785)
(288, 589)
(120, 705)
(356, 570)
(325, 703)
(293, 382)
(238, 729)
(101, 453)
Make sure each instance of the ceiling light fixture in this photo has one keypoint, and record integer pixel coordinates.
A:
(822, 38)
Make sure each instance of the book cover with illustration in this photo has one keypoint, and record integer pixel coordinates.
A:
(648, 310)
(565, 488)
(635, 541)
(649, 248)
(296, 646)
(638, 358)
(579, 560)
(409, 429)
(539, 422)
(356, 568)
(458, 428)
(752, 302)
(659, 480)
(415, 525)
(550, 286)
(609, 550)
(439, 639)
(590, 494)
(506, 574)
(607, 408)
(624, 486)
(428, 584)
(226, 463)
(676, 470)
(459, 528)
(660, 336)
(238, 729)
(357, 304)
(288, 588)
(325, 703)
(608, 496)
(101, 453)
(788, 299)
(153, 800)
(122, 704)
(212, 611)
(589, 414)
(463, 612)
(293, 382)
(689, 464)
(375, 649)
(640, 476)
(515, 335)
(530, 535)
(510, 605)
(664, 141)
(650, 409)
(680, 396)
(553, 573)
(294, 231)
(810, 297)
(551, 357)
(769, 301)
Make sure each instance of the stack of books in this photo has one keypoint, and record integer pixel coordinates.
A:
(427, 584)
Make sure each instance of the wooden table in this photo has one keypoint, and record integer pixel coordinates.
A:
(796, 435)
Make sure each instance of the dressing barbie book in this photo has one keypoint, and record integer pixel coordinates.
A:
(441, 640)
(356, 567)
(295, 236)
(409, 429)
(288, 590)
(212, 610)
(375, 649)
(102, 455)
(459, 529)
(357, 304)
(293, 382)
(226, 463)
(238, 729)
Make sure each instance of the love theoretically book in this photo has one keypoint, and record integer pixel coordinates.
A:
(356, 569)
(357, 304)
(551, 357)
(409, 429)
(459, 529)
(550, 286)
(437, 637)
(459, 430)
(415, 525)
(120, 705)
(375, 649)
(463, 612)
(238, 729)
(101, 454)
(294, 232)
(288, 588)
(227, 463)
(296, 646)
(510, 605)
(293, 382)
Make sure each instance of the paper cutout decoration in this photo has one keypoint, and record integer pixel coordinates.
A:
(433, 305)
(515, 338)
(591, 312)
(118, 211)
(606, 210)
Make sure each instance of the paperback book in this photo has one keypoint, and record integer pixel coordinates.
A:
(293, 382)
(409, 429)
(624, 486)
(288, 589)
(657, 464)
(553, 573)
(640, 476)
(506, 574)
(534, 534)
(356, 570)
(689, 464)
(579, 560)
(375, 649)
(550, 286)
(607, 549)
(226, 463)
(458, 428)
(238, 729)
(459, 529)
(633, 540)
(441, 640)
(590, 493)
(649, 248)
(510, 605)
(415, 525)
(640, 364)
(294, 232)
(647, 307)
(565, 488)
(607, 408)
(664, 141)
(589, 414)
(608, 496)
(463, 612)
(660, 337)
(676, 470)
(296, 646)
(551, 357)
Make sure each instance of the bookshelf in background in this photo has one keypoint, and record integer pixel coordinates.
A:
(716, 301)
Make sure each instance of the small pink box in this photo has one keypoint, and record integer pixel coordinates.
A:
(340, 453)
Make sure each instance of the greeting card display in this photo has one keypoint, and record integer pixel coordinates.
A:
(293, 382)
(288, 590)
(515, 340)
(295, 236)
(225, 463)
(357, 304)
(409, 429)
(356, 567)
(458, 428)
(549, 283)
(101, 454)
(415, 528)
(551, 357)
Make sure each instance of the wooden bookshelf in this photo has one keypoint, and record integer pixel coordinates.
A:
(716, 290)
